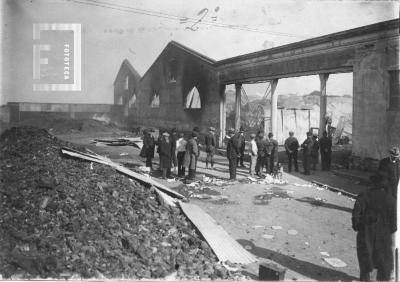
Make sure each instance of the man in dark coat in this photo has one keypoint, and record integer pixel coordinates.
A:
(232, 153)
(261, 154)
(307, 147)
(292, 146)
(314, 152)
(211, 143)
(191, 155)
(390, 168)
(273, 152)
(242, 146)
(173, 137)
(374, 219)
(325, 145)
(147, 150)
(165, 155)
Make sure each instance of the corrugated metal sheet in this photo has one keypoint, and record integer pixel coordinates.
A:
(223, 245)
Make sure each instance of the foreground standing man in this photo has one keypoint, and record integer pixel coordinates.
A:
(165, 149)
(261, 154)
(232, 153)
(181, 149)
(390, 168)
(242, 145)
(325, 145)
(191, 155)
(314, 152)
(307, 147)
(211, 143)
(273, 152)
(374, 219)
(253, 151)
(292, 147)
(147, 150)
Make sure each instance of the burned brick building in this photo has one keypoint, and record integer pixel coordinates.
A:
(178, 91)
(183, 88)
(126, 87)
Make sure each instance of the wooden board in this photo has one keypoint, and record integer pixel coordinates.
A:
(334, 189)
(223, 245)
(121, 169)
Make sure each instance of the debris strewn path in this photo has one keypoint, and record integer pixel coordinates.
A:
(296, 225)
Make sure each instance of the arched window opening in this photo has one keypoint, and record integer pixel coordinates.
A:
(132, 101)
(193, 99)
(155, 102)
(126, 83)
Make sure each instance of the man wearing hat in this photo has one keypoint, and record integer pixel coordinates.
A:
(147, 150)
(314, 152)
(325, 144)
(191, 155)
(307, 147)
(242, 145)
(210, 142)
(374, 220)
(390, 168)
(232, 153)
(165, 155)
(262, 145)
(291, 147)
(273, 152)
(173, 137)
(181, 150)
(253, 152)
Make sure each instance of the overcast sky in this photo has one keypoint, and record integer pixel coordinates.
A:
(139, 30)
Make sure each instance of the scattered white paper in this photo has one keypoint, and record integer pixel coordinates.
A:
(335, 262)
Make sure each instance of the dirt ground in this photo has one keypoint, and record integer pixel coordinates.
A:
(295, 225)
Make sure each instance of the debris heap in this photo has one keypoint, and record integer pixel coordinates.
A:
(61, 217)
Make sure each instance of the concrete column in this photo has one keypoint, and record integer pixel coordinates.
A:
(238, 103)
(274, 108)
(222, 114)
(323, 77)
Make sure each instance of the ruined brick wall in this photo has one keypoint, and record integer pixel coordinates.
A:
(191, 71)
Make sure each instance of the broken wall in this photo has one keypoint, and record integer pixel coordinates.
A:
(375, 126)
(171, 113)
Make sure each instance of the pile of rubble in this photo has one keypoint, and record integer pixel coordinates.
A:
(62, 218)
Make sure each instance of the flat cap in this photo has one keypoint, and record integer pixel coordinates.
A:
(395, 152)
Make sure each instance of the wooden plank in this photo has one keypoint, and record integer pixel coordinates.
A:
(165, 200)
(121, 169)
(334, 189)
(223, 245)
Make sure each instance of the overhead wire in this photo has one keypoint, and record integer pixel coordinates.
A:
(158, 14)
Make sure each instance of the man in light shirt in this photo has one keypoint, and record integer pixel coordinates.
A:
(180, 150)
(253, 150)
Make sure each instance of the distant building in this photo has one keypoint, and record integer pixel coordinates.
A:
(126, 87)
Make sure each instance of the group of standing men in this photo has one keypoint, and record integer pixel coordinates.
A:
(263, 152)
(177, 152)
(311, 148)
